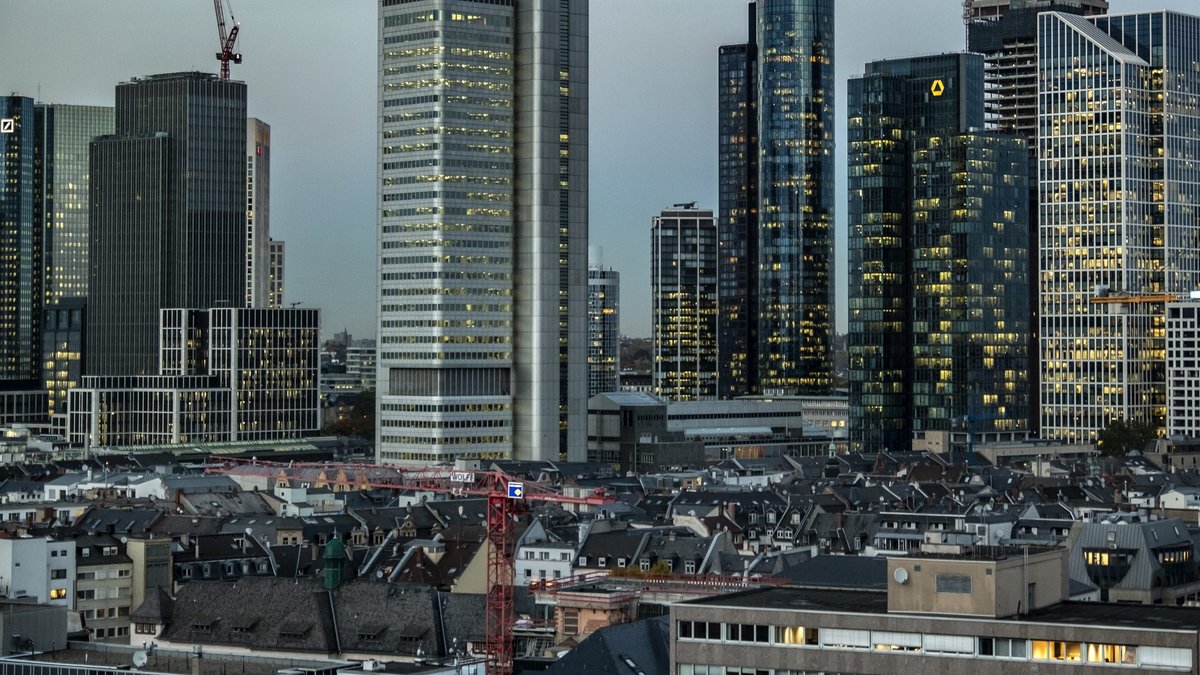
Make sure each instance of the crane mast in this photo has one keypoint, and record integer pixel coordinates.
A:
(227, 40)
(506, 498)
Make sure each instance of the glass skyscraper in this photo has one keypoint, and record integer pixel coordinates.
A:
(482, 230)
(1118, 142)
(683, 277)
(21, 244)
(776, 200)
(939, 275)
(168, 213)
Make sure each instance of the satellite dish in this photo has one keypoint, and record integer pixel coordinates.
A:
(139, 658)
(900, 575)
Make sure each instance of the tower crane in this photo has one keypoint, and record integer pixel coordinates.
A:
(506, 498)
(227, 40)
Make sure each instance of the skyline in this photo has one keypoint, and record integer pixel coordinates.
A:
(653, 138)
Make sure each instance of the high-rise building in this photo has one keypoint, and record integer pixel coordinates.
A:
(275, 274)
(683, 278)
(1005, 32)
(64, 136)
(65, 133)
(604, 325)
(168, 213)
(20, 247)
(939, 272)
(776, 167)
(1120, 185)
(482, 230)
(258, 213)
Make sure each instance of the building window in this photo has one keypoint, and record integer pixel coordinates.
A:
(840, 638)
(645, 564)
(746, 632)
(1098, 653)
(887, 641)
(58, 574)
(603, 561)
(1051, 650)
(58, 593)
(795, 635)
(699, 630)
(689, 567)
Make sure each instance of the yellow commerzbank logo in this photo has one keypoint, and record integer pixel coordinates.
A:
(937, 88)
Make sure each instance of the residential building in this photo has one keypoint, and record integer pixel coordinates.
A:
(227, 374)
(482, 230)
(939, 282)
(103, 590)
(683, 278)
(38, 568)
(604, 325)
(21, 273)
(258, 213)
(361, 363)
(1118, 192)
(776, 197)
(167, 213)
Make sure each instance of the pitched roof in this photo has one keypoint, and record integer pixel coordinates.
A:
(638, 648)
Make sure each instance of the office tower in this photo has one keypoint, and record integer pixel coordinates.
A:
(776, 200)
(168, 213)
(604, 325)
(483, 230)
(20, 247)
(258, 213)
(1005, 32)
(1119, 184)
(275, 274)
(65, 133)
(1183, 375)
(226, 374)
(683, 278)
(939, 314)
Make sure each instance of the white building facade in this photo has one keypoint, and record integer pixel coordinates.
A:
(482, 230)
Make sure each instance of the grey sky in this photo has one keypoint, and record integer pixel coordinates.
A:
(311, 70)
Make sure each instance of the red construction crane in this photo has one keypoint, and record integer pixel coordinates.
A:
(227, 41)
(506, 497)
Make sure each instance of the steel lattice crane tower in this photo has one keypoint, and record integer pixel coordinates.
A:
(226, 55)
(506, 498)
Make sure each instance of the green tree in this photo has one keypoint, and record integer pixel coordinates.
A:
(1121, 436)
(360, 421)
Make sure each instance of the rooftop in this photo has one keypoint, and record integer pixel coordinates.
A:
(1148, 617)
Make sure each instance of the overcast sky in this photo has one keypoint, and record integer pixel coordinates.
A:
(311, 70)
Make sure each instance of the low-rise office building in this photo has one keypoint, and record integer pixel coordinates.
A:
(996, 611)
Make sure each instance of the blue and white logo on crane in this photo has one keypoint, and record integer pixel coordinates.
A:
(516, 490)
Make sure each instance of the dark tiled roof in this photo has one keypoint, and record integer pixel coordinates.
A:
(156, 608)
(624, 649)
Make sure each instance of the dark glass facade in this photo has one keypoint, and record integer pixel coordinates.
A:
(63, 338)
(683, 278)
(777, 114)
(20, 246)
(939, 313)
(168, 213)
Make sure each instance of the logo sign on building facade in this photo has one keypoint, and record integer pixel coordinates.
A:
(937, 88)
(8, 125)
(516, 490)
